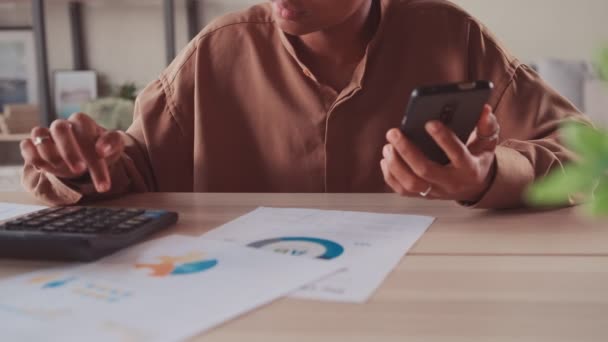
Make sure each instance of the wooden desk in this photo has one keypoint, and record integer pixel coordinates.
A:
(475, 276)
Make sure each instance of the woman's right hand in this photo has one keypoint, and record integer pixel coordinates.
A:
(73, 147)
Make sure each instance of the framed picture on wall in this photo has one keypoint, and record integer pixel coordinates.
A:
(18, 74)
(72, 90)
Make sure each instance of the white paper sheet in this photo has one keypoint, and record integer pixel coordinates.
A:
(369, 245)
(164, 290)
(11, 210)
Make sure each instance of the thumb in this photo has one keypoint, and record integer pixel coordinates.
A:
(110, 146)
(486, 135)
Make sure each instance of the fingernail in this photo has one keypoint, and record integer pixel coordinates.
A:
(433, 127)
(103, 187)
(387, 151)
(393, 136)
(80, 166)
(107, 150)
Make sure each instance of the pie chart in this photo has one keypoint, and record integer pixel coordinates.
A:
(301, 246)
(191, 263)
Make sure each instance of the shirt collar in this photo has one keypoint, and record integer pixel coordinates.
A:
(360, 71)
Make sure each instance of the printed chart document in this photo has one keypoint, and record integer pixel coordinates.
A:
(368, 245)
(11, 210)
(164, 290)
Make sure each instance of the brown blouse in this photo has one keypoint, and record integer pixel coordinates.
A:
(237, 111)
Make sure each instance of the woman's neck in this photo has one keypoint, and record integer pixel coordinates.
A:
(344, 43)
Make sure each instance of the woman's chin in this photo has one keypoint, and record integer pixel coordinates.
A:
(294, 28)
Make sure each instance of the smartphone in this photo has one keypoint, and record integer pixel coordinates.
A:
(458, 106)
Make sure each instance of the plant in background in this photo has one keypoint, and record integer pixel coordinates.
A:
(111, 112)
(602, 63)
(127, 91)
(115, 112)
(583, 181)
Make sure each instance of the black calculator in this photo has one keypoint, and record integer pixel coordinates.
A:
(78, 233)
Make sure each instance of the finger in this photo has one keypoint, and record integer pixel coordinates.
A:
(480, 123)
(100, 174)
(391, 181)
(394, 184)
(87, 132)
(487, 125)
(46, 149)
(456, 151)
(84, 125)
(30, 156)
(402, 173)
(411, 155)
(487, 134)
(68, 147)
(110, 146)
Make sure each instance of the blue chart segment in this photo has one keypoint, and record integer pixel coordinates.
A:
(302, 246)
(58, 283)
(194, 267)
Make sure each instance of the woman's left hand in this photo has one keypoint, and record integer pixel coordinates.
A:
(467, 178)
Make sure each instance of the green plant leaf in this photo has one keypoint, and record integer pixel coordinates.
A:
(591, 144)
(598, 206)
(599, 203)
(602, 62)
(560, 185)
(586, 180)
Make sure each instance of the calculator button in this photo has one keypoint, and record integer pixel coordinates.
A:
(70, 210)
(135, 211)
(140, 221)
(125, 226)
(98, 226)
(122, 218)
(33, 223)
(146, 217)
(49, 229)
(132, 222)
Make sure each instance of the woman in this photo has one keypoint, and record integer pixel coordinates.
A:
(304, 96)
